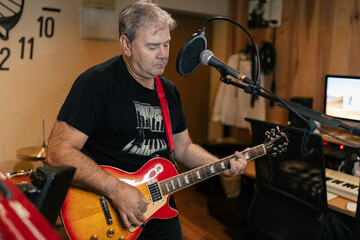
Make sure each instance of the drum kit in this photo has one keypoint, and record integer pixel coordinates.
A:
(35, 153)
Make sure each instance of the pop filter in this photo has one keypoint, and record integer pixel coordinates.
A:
(188, 58)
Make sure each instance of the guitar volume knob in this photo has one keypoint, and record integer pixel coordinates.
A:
(110, 232)
(94, 237)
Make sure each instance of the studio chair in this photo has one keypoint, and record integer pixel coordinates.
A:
(290, 200)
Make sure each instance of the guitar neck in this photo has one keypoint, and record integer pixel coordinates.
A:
(204, 172)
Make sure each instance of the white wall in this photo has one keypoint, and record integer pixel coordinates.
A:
(33, 90)
(204, 7)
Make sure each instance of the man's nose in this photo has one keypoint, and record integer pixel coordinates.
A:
(163, 52)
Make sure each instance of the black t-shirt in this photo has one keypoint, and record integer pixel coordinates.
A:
(122, 118)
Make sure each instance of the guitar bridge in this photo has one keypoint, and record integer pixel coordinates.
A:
(106, 210)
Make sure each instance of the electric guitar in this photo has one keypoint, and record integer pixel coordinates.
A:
(86, 215)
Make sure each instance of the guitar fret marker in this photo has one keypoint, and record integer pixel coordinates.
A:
(172, 183)
(212, 170)
(247, 155)
(186, 179)
(198, 174)
(167, 187)
(179, 182)
(222, 165)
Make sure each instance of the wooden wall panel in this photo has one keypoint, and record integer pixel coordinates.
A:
(195, 88)
(317, 37)
(354, 58)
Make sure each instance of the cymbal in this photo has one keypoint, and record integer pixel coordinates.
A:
(36, 152)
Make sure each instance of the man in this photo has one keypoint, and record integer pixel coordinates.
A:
(112, 117)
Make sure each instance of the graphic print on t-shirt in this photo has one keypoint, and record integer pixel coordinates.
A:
(149, 121)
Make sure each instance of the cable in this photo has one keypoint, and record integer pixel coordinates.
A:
(306, 120)
(252, 41)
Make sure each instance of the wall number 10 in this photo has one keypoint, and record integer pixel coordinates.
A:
(46, 29)
(47, 26)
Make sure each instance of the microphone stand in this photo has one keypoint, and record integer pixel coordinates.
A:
(250, 89)
(301, 111)
(306, 114)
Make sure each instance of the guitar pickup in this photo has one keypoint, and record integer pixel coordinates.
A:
(154, 191)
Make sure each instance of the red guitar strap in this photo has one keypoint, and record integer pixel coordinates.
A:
(166, 116)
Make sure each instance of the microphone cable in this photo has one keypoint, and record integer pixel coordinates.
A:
(257, 82)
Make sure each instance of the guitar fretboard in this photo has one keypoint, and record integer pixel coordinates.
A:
(204, 172)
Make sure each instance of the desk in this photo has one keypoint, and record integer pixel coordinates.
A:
(337, 204)
(341, 134)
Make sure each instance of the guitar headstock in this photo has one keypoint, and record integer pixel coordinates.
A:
(276, 142)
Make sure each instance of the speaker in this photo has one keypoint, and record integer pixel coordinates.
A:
(54, 184)
(294, 120)
(48, 188)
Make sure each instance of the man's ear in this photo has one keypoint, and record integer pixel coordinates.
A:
(125, 44)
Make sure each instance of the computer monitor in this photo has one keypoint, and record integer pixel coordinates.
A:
(342, 98)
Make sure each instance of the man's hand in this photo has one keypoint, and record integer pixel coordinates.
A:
(131, 205)
(236, 167)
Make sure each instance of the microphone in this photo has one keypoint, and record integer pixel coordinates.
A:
(207, 58)
(188, 57)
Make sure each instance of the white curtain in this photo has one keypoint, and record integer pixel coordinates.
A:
(232, 104)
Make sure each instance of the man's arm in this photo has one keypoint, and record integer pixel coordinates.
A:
(193, 155)
(63, 149)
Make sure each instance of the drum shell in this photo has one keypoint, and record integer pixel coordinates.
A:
(20, 176)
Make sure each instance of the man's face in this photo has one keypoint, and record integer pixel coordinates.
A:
(149, 52)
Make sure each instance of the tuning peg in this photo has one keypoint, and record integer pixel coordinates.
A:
(284, 149)
(274, 154)
(267, 134)
(272, 131)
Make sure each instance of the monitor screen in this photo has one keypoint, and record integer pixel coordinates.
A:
(342, 97)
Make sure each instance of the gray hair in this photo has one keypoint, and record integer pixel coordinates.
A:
(142, 14)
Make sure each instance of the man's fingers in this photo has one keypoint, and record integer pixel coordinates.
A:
(140, 216)
(233, 168)
(145, 200)
(134, 220)
(144, 209)
(238, 166)
(125, 220)
(131, 219)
